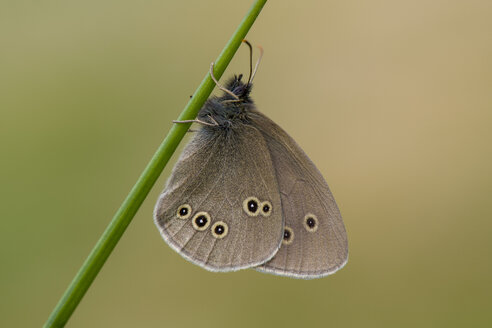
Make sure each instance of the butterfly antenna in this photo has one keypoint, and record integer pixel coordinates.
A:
(257, 63)
(217, 83)
(250, 59)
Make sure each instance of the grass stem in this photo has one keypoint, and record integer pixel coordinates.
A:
(105, 245)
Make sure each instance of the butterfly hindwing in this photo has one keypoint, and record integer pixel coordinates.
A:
(221, 208)
(315, 241)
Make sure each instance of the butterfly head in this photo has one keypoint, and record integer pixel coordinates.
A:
(235, 103)
(239, 88)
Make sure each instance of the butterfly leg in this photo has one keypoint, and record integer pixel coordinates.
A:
(194, 121)
(217, 83)
(214, 122)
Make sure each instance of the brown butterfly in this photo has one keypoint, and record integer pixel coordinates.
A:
(243, 194)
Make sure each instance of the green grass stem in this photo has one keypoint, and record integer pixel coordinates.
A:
(105, 245)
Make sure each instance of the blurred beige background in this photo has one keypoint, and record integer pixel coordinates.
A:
(391, 99)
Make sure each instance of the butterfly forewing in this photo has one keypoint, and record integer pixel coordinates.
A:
(221, 208)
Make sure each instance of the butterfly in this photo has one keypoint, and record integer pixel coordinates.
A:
(243, 194)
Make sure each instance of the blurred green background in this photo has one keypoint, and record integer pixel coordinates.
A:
(391, 99)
